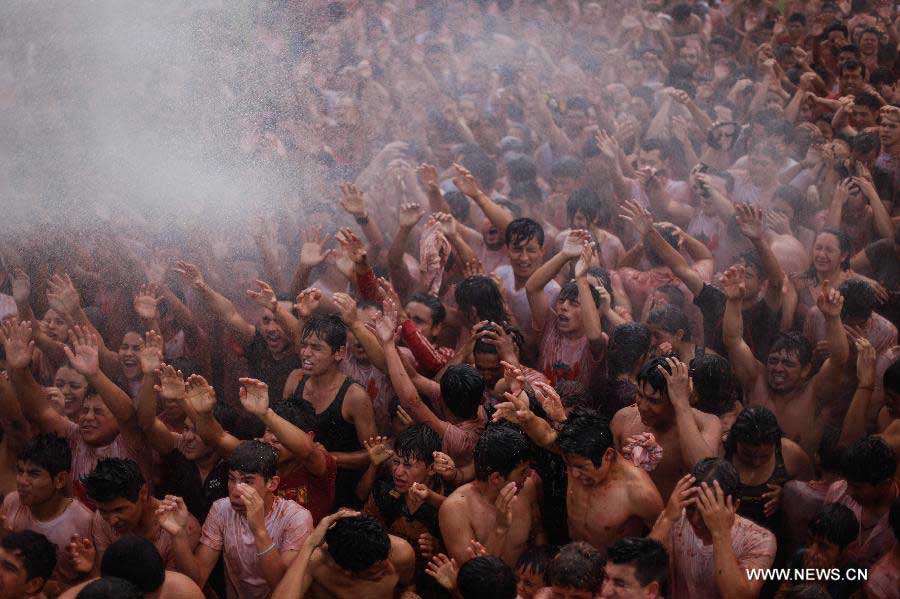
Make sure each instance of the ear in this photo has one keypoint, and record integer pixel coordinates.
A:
(145, 493)
(494, 478)
(272, 483)
(804, 372)
(340, 353)
(609, 456)
(61, 480)
(34, 586)
(652, 590)
(679, 334)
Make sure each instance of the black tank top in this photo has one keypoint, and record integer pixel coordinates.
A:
(332, 431)
(752, 502)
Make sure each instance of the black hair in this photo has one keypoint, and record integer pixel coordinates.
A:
(708, 470)
(566, 166)
(486, 577)
(137, 560)
(835, 523)
(528, 191)
(629, 343)
(110, 588)
(577, 103)
(830, 452)
(870, 460)
(648, 556)
(681, 13)
(513, 207)
(755, 425)
(586, 434)
(483, 347)
(482, 168)
(481, 293)
(459, 204)
(573, 394)
(671, 319)
(523, 230)
(114, 478)
(793, 343)
(752, 259)
(418, 442)
(301, 414)
(438, 311)
(586, 201)
(577, 566)
(651, 375)
(328, 328)
(835, 26)
(569, 291)
(254, 457)
(462, 390)
(881, 76)
(791, 196)
(37, 553)
(49, 452)
(715, 385)
(797, 17)
(859, 299)
(500, 449)
(894, 517)
(851, 65)
(536, 559)
(670, 237)
(521, 168)
(868, 100)
(357, 542)
(891, 378)
(673, 293)
(865, 142)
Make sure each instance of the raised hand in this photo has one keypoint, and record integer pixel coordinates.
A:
(428, 543)
(639, 218)
(156, 270)
(21, 286)
(772, 499)
(307, 302)
(716, 509)
(678, 382)
(680, 497)
(410, 214)
(550, 401)
(574, 242)
(146, 301)
(82, 554)
(317, 537)
(253, 503)
(733, 282)
(265, 297)
(386, 323)
(352, 201)
(199, 395)
(352, 246)
(779, 222)
(444, 571)
(865, 363)
(190, 273)
(84, 353)
(16, 340)
(171, 383)
(503, 341)
(151, 354)
(428, 175)
(506, 501)
(388, 291)
(346, 306)
(254, 396)
(585, 260)
(173, 514)
(473, 267)
(830, 301)
(465, 182)
(311, 252)
(750, 220)
(378, 450)
(444, 466)
(448, 223)
(608, 146)
(515, 409)
(62, 295)
(417, 493)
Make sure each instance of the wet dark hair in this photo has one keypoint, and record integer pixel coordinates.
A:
(527, 191)
(500, 449)
(462, 390)
(629, 343)
(37, 553)
(486, 577)
(586, 201)
(438, 311)
(708, 470)
(328, 328)
(650, 374)
(301, 414)
(482, 167)
(865, 142)
(894, 517)
(459, 204)
(573, 394)
(577, 566)
(793, 343)
(114, 478)
(357, 542)
(756, 426)
(681, 13)
(859, 299)
(851, 65)
(831, 454)
(752, 259)
(869, 461)
(797, 17)
(586, 434)
(48, 452)
(868, 100)
(136, 560)
(673, 293)
(521, 167)
(481, 293)
(835, 523)
(648, 556)
(483, 347)
(110, 588)
(254, 457)
(523, 230)
(715, 385)
(791, 196)
(536, 559)
(418, 442)
(671, 319)
(891, 378)
(566, 166)
(881, 76)
(569, 292)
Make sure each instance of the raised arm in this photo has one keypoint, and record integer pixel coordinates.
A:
(750, 220)
(534, 287)
(830, 302)
(745, 365)
(199, 401)
(346, 306)
(695, 444)
(157, 377)
(590, 314)
(466, 183)
(883, 223)
(217, 303)
(84, 357)
(856, 418)
(353, 202)
(266, 298)
(312, 254)
(410, 214)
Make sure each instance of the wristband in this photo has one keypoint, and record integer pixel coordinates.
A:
(265, 551)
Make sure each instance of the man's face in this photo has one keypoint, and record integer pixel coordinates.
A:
(889, 133)
(491, 235)
(761, 167)
(73, 387)
(850, 81)
(658, 336)
(283, 454)
(862, 117)
(528, 583)
(784, 373)
(132, 344)
(690, 55)
(580, 221)
(407, 470)
(488, 366)
(796, 30)
(564, 185)
(193, 446)
(568, 313)
(752, 281)
(123, 515)
(423, 318)
(619, 582)
(272, 332)
(96, 423)
(316, 356)
(650, 159)
(14, 583)
(583, 470)
(518, 475)
(866, 493)
(259, 484)
(821, 553)
(868, 43)
(525, 258)
(653, 406)
(575, 121)
(35, 485)
(755, 456)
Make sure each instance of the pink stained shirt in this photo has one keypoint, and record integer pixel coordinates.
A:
(225, 530)
(692, 565)
(105, 535)
(872, 543)
(75, 520)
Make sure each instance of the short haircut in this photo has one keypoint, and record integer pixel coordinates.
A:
(629, 343)
(114, 478)
(651, 375)
(716, 387)
(482, 168)
(577, 566)
(418, 442)
(709, 470)
(793, 343)
(486, 577)
(462, 390)
(523, 230)
(869, 461)
(891, 378)
(673, 293)
(529, 191)
(438, 311)
(648, 556)
(137, 560)
(671, 319)
(301, 414)
(328, 328)
(521, 168)
(536, 559)
(570, 292)
(755, 425)
(586, 434)
(481, 293)
(500, 449)
(48, 452)
(868, 100)
(894, 517)
(584, 200)
(835, 523)
(851, 65)
(752, 259)
(37, 553)
(254, 457)
(357, 542)
(566, 166)
(859, 299)
(483, 347)
(459, 204)
(110, 588)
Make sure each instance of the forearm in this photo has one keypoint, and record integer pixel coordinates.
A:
(225, 311)
(270, 565)
(693, 446)
(294, 440)
(539, 431)
(463, 251)
(436, 200)
(398, 245)
(495, 542)
(498, 216)
(146, 402)
(695, 248)
(543, 275)
(730, 578)
(674, 260)
(295, 582)
(117, 401)
(184, 558)
(856, 418)
(300, 281)
(772, 270)
(288, 321)
(10, 412)
(589, 315)
(837, 341)
(350, 460)
(733, 323)
(422, 350)
(883, 222)
(365, 484)
(404, 388)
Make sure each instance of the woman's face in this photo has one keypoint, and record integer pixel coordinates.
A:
(827, 256)
(57, 327)
(73, 387)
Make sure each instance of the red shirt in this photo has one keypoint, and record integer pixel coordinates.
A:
(315, 493)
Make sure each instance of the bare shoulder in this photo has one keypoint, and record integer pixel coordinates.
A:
(624, 418)
(457, 498)
(707, 421)
(794, 456)
(179, 586)
(402, 554)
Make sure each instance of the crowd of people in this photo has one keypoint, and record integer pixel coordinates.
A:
(578, 299)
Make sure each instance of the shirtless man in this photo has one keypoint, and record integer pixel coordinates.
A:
(608, 497)
(783, 384)
(499, 508)
(685, 434)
